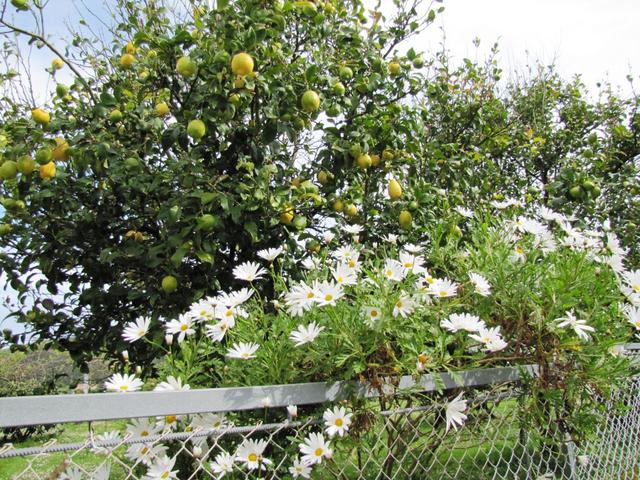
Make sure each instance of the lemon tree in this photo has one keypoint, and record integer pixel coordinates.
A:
(187, 146)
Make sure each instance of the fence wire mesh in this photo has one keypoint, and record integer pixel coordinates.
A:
(399, 438)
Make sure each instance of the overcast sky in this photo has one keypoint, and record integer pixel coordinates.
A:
(598, 39)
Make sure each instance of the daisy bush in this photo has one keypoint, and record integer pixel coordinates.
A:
(516, 286)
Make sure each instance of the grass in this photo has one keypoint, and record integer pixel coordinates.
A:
(44, 466)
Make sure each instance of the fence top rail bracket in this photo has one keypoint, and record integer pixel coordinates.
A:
(53, 409)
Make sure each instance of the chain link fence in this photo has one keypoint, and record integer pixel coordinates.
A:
(400, 437)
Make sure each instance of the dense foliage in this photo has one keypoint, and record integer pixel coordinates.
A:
(140, 214)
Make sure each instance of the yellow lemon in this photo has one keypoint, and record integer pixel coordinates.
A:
(61, 151)
(127, 60)
(242, 64)
(40, 116)
(394, 189)
(48, 171)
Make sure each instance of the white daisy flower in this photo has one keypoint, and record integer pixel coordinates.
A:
(292, 411)
(123, 383)
(217, 331)
(307, 334)
(250, 453)
(481, 284)
(633, 316)
(336, 421)
(249, 272)
(161, 469)
(549, 215)
(372, 315)
(113, 436)
(390, 238)
(314, 449)
(354, 229)
(413, 263)
(134, 331)
(530, 225)
(270, 254)
(344, 275)
(222, 464)
(172, 384)
(632, 279)
(182, 326)
(443, 288)
(455, 412)
(616, 263)
(328, 236)
(142, 427)
(328, 292)
(310, 263)
(202, 311)
(412, 248)
(145, 453)
(465, 212)
(346, 253)
(168, 422)
(491, 338)
(632, 297)
(300, 298)
(518, 254)
(421, 362)
(462, 321)
(230, 313)
(299, 469)
(243, 351)
(580, 327)
(404, 306)
(235, 298)
(394, 271)
(209, 421)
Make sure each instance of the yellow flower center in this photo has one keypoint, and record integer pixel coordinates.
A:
(429, 280)
(124, 388)
(141, 333)
(184, 327)
(328, 297)
(519, 250)
(374, 313)
(389, 273)
(310, 295)
(636, 287)
(229, 313)
(339, 422)
(399, 305)
(144, 450)
(170, 418)
(245, 355)
(252, 457)
(637, 324)
(351, 264)
(318, 452)
(165, 474)
(144, 434)
(422, 358)
(340, 279)
(443, 293)
(408, 265)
